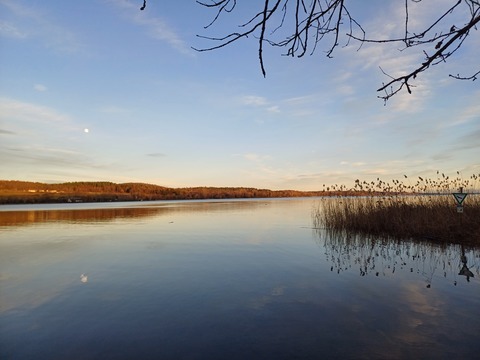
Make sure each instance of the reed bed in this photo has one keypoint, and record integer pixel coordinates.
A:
(425, 210)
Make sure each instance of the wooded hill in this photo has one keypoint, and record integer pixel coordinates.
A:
(18, 192)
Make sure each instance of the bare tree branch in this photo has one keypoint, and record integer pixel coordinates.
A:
(307, 23)
(260, 41)
(443, 52)
(472, 77)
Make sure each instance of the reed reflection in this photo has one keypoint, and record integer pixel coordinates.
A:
(382, 257)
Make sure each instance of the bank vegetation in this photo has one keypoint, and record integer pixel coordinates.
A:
(424, 209)
(25, 192)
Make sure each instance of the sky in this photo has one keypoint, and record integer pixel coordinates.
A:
(98, 90)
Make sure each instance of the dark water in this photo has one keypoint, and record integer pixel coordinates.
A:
(225, 280)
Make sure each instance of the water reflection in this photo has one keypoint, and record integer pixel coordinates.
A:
(381, 257)
(232, 280)
(31, 217)
(465, 271)
(77, 213)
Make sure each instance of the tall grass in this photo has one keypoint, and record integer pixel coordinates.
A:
(423, 210)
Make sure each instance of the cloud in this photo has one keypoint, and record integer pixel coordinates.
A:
(6, 132)
(21, 111)
(10, 31)
(384, 62)
(156, 155)
(159, 30)
(468, 114)
(294, 107)
(376, 171)
(256, 157)
(315, 180)
(259, 168)
(442, 156)
(469, 141)
(307, 105)
(55, 163)
(260, 102)
(303, 100)
(40, 87)
(273, 109)
(32, 23)
(112, 109)
(344, 76)
(156, 28)
(345, 90)
(356, 164)
(394, 59)
(254, 100)
(44, 156)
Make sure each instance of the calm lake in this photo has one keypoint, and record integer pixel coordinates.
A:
(244, 279)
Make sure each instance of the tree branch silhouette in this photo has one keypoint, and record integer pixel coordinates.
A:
(298, 26)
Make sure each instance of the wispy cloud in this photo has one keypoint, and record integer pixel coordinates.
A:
(346, 90)
(254, 100)
(112, 109)
(356, 163)
(32, 23)
(256, 157)
(156, 155)
(468, 114)
(313, 104)
(56, 164)
(44, 156)
(386, 61)
(6, 132)
(259, 167)
(302, 100)
(468, 141)
(15, 110)
(273, 109)
(155, 27)
(260, 102)
(40, 87)
(11, 31)
(375, 58)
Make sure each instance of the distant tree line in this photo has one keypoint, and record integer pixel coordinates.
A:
(14, 192)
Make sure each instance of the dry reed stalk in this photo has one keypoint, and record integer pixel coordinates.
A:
(428, 212)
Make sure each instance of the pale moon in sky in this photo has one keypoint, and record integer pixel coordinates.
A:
(86, 130)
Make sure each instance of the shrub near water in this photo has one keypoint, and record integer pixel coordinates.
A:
(425, 211)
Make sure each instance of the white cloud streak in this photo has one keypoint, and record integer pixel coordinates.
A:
(155, 27)
(13, 110)
(40, 87)
(260, 102)
(11, 31)
(254, 100)
(31, 23)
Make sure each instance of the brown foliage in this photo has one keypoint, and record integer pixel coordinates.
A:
(15, 192)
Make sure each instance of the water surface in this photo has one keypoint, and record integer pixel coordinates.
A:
(243, 279)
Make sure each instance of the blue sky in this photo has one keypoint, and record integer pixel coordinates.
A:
(159, 112)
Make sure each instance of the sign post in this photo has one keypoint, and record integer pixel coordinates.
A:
(460, 198)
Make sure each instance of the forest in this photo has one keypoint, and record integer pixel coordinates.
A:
(25, 192)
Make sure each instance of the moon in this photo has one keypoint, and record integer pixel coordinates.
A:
(86, 130)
